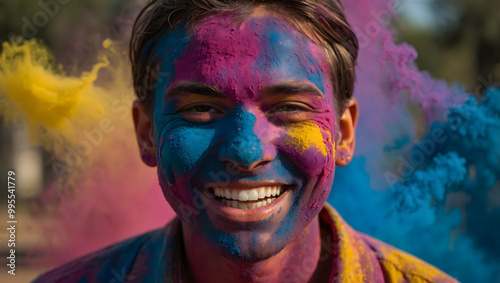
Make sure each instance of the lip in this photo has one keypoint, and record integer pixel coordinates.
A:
(248, 215)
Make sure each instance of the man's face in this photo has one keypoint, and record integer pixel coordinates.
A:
(242, 113)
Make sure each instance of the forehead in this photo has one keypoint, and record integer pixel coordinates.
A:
(242, 57)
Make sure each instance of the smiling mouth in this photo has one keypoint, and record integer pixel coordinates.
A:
(247, 198)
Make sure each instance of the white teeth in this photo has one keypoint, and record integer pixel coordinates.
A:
(234, 194)
(247, 205)
(243, 195)
(248, 199)
(253, 195)
(262, 192)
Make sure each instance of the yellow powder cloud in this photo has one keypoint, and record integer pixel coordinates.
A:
(36, 92)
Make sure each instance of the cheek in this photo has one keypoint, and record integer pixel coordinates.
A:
(180, 151)
(311, 147)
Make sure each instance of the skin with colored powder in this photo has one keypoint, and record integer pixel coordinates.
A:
(248, 106)
(244, 112)
(255, 97)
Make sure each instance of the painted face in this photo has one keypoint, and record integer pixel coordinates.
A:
(244, 124)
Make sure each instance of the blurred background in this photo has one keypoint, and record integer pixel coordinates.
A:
(456, 40)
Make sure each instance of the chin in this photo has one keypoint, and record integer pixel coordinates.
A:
(248, 248)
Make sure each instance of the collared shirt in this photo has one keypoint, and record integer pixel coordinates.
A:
(157, 256)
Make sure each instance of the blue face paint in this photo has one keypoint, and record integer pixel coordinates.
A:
(242, 146)
(240, 62)
(281, 53)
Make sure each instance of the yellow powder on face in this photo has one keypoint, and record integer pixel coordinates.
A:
(333, 144)
(302, 136)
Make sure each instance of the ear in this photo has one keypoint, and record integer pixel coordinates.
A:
(347, 140)
(144, 134)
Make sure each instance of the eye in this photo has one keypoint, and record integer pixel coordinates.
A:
(201, 108)
(290, 108)
(201, 113)
(288, 112)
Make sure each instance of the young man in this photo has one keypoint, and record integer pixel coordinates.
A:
(250, 112)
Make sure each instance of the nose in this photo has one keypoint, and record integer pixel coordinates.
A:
(242, 147)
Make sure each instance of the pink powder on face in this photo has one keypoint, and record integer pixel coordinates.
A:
(240, 65)
(235, 56)
(222, 59)
(240, 61)
(120, 197)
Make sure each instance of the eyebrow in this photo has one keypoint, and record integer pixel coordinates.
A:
(295, 87)
(194, 87)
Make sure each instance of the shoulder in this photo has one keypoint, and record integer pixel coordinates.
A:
(398, 265)
(114, 261)
(363, 258)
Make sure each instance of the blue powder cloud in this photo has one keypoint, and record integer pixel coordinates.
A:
(442, 197)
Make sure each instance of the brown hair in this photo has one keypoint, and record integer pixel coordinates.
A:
(322, 21)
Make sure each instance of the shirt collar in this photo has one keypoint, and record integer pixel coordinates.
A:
(353, 261)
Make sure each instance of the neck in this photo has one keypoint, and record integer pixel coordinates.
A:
(297, 262)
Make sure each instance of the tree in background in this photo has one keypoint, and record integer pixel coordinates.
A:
(458, 40)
